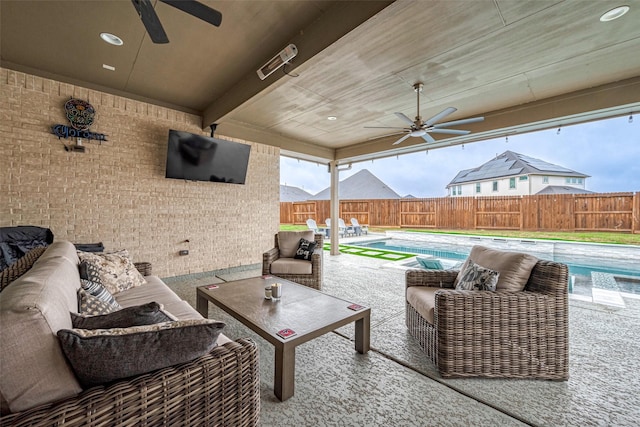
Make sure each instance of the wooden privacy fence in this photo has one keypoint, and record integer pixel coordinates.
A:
(554, 212)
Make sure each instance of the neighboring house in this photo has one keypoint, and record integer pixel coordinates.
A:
(514, 174)
(293, 194)
(362, 185)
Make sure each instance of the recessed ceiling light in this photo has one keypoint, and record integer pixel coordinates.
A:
(614, 13)
(111, 39)
(332, 118)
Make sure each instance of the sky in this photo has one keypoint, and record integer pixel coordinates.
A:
(606, 150)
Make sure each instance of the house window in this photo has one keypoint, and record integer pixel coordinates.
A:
(523, 178)
(579, 180)
(567, 180)
(495, 185)
(512, 183)
(459, 190)
(545, 179)
(453, 190)
(477, 187)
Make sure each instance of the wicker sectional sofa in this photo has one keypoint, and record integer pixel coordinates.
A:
(38, 386)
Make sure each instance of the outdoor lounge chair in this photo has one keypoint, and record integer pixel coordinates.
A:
(279, 261)
(507, 333)
(348, 229)
(432, 263)
(341, 229)
(359, 229)
(311, 225)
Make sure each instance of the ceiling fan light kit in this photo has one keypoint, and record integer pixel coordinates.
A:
(423, 129)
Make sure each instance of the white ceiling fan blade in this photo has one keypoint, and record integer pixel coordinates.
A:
(450, 131)
(441, 115)
(428, 138)
(402, 139)
(405, 118)
(460, 122)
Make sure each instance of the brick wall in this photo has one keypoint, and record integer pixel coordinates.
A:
(116, 192)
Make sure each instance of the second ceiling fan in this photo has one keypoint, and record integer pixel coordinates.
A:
(423, 129)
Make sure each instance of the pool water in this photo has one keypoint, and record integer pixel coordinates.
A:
(580, 267)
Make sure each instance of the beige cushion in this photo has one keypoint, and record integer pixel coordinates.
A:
(288, 241)
(290, 266)
(154, 290)
(60, 248)
(514, 267)
(423, 299)
(33, 369)
(182, 310)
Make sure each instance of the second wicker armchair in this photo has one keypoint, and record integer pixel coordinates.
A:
(280, 260)
(507, 333)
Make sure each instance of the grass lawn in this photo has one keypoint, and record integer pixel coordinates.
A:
(593, 237)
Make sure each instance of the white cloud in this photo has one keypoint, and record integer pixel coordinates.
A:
(607, 150)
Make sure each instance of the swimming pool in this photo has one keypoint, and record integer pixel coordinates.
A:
(581, 267)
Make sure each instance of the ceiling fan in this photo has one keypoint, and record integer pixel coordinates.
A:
(152, 22)
(424, 128)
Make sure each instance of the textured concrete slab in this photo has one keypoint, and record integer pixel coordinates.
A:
(396, 384)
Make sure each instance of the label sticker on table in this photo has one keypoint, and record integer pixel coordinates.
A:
(355, 307)
(286, 333)
(212, 287)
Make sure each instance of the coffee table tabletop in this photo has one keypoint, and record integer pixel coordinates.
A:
(308, 312)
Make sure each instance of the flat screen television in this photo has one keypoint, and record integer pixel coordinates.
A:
(201, 158)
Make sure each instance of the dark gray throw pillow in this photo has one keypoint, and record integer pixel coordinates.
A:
(101, 356)
(140, 315)
(305, 249)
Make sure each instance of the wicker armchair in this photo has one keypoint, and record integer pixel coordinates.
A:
(312, 280)
(496, 334)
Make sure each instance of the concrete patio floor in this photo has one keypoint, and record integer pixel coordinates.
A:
(396, 384)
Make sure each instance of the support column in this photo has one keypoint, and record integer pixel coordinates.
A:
(335, 207)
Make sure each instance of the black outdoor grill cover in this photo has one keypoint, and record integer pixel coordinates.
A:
(17, 241)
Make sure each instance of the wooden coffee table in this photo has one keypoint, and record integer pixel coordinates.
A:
(308, 312)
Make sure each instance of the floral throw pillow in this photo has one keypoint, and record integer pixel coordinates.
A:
(305, 249)
(477, 278)
(115, 271)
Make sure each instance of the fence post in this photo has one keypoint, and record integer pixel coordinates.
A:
(635, 213)
(521, 213)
